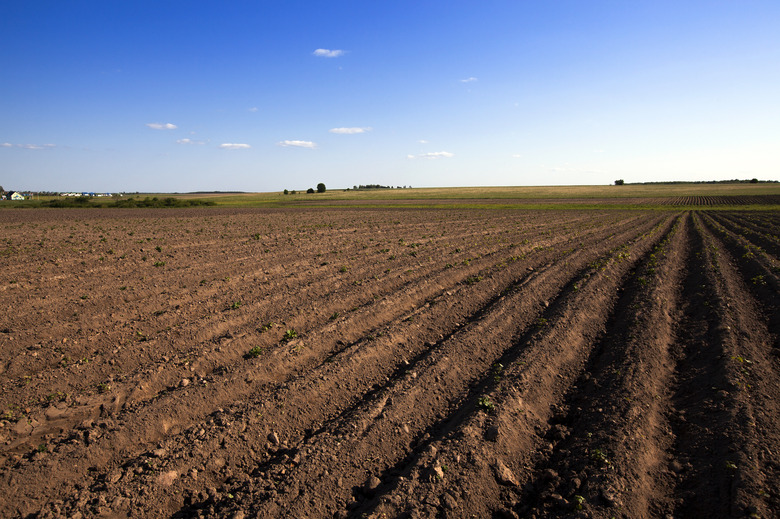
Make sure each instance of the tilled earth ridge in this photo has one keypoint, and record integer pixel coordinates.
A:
(389, 362)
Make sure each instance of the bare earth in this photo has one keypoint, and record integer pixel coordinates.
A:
(389, 363)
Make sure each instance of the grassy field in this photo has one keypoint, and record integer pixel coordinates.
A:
(558, 197)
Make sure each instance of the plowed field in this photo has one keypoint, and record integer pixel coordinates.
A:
(389, 363)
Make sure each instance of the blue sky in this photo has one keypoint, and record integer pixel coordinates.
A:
(160, 95)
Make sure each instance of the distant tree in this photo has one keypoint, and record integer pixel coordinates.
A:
(310, 190)
(2, 190)
(320, 187)
(286, 192)
(753, 181)
(619, 182)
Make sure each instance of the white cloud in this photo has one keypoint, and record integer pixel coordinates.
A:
(298, 144)
(190, 141)
(469, 80)
(432, 155)
(233, 146)
(350, 131)
(423, 141)
(517, 156)
(327, 53)
(28, 146)
(253, 109)
(161, 126)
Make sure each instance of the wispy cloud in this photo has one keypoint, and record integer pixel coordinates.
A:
(298, 144)
(469, 80)
(350, 131)
(253, 109)
(28, 146)
(190, 141)
(328, 53)
(517, 156)
(161, 126)
(423, 141)
(234, 146)
(432, 155)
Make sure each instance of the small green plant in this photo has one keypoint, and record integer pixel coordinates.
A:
(343, 268)
(473, 279)
(334, 316)
(235, 305)
(758, 280)
(498, 369)
(158, 248)
(256, 352)
(265, 327)
(731, 466)
(600, 457)
(104, 387)
(85, 296)
(579, 501)
(541, 322)
(159, 263)
(485, 403)
(290, 334)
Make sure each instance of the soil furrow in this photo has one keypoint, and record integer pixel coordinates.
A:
(493, 444)
(439, 382)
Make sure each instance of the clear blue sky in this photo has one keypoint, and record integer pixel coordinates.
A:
(161, 95)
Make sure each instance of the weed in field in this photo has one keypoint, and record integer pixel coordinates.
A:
(235, 305)
(334, 316)
(289, 335)
(159, 263)
(473, 279)
(255, 352)
(103, 387)
(343, 268)
(579, 501)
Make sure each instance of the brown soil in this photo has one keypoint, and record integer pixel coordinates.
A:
(389, 363)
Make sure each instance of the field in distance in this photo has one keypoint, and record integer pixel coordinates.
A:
(631, 195)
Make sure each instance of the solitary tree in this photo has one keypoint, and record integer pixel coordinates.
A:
(310, 190)
(619, 182)
(320, 187)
